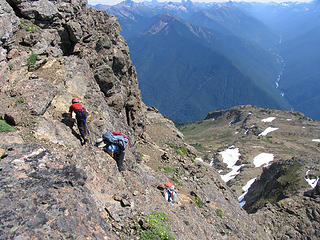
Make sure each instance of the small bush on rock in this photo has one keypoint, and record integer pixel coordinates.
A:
(32, 60)
(199, 202)
(156, 228)
(5, 127)
(167, 169)
(219, 213)
(181, 150)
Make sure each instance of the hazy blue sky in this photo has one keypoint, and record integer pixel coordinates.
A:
(112, 2)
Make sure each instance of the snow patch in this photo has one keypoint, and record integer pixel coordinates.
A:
(263, 159)
(242, 203)
(269, 119)
(312, 182)
(245, 188)
(230, 156)
(268, 130)
(234, 172)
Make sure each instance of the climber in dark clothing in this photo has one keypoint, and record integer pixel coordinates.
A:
(81, 116)
(116, 153)
(115, 144)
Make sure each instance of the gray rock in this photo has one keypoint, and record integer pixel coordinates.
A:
(39, 10)
(9, 22)
(38, 94)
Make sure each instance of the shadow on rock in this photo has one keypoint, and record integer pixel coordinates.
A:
(70, 124)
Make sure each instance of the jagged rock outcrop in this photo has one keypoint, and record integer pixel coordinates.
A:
(54, 50)
(280, 201)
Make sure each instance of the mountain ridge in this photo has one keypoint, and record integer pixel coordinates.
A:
(251, 40)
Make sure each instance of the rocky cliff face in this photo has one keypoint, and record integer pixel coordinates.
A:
(51, 186)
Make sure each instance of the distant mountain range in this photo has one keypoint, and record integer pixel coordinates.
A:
(192, 58)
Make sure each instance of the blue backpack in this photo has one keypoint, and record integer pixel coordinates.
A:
(116, 138)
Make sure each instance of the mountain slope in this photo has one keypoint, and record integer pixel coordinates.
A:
(270, 159)
(301, 76)
(223, 18)
(288, 20)
(182, 75)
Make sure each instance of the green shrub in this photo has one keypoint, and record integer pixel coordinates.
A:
(157, 228)
(170, 144)
(32, 60)
(167, 169)
(219, 213)
(199, 202)
(5, 127)
(32, 28)
(177, 181)
(181, 150)
(29, 26)
(20, 100)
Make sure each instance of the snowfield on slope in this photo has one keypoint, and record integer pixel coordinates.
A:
(268, 130)
(231, 156)
(269, 119)
(245, 188)
(263, 159)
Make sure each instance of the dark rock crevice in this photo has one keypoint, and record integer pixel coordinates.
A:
(68, 40)
(16, 9)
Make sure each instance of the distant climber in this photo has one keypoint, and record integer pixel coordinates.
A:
(170, 193)
(81, 116)
(115, 144)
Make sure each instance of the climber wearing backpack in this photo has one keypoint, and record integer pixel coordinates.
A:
(81, 116)
(115, 144)
(170, 193)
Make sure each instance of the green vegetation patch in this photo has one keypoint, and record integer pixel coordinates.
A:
(219, 213)
(290, 180)
(156, 228)
(167, 169)
(32, 60)
(5, 127)
(29, 26)
(199, 202)
(181, 150)
(20, 100)
(177, 181)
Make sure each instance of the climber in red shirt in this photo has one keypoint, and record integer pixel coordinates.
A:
(81, 116)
